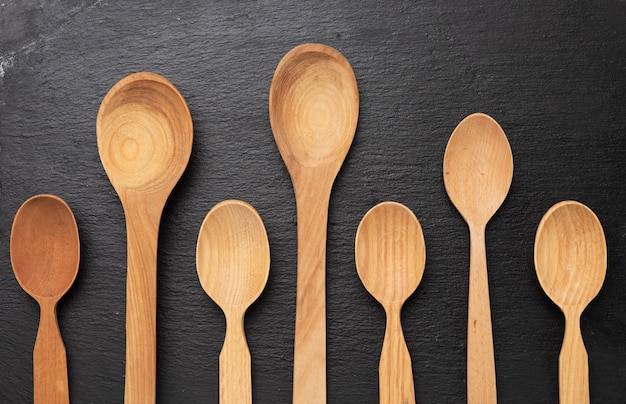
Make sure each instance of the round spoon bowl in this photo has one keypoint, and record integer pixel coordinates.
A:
(570, 254)
(478, 167)
(144, 132)
(314, 105)
(232, 255)
(390, 252)
(45, 247)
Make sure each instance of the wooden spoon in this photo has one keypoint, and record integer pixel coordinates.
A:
(314, 108)
(45, 253)
(477, 172)
(144, 134)
(390, 257)
(570, 260)
(233, 263)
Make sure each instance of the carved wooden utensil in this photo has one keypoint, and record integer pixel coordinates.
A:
(477, 172)
(314, 108)
(570, 260)
(145, 135)
(45, 254)
(390, 257)
(233, 263)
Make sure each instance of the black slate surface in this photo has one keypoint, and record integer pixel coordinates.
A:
(552, 73)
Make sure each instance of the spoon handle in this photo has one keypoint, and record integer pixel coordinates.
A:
(235, 364)
(142, 225)
(49, 359)
(573, 363)
(481, 371)
(309, 361)
(395, 374)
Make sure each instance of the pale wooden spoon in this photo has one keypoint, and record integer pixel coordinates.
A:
(45, 254)
(390, 257)
(314, 108)
(570, 260)
(145, 135)
(233, 263)
(477, 172)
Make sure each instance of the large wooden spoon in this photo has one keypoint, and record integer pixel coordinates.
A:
(144, 134)
(477, 172)
(570, 260)
(314, 108)
(45, 254)
(233, 263)
(390, 257)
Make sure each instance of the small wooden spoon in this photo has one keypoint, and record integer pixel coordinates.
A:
(233, 263)
(314, 108)
(477, 172)
(390, 257)
(144, 134)
(45, 254)
(570, 260)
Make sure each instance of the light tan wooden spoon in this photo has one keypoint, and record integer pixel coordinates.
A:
(233, 263)
(570, 260)
(145, 135)
(314, 108)
(45, 254)
(477, 172)
(390, 257)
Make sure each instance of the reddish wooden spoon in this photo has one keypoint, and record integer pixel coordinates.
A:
(45, 253)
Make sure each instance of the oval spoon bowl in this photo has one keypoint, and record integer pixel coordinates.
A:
(145, 133)
(232, 255)
(390, 252)
(45, 247)
(570, 254)
(314, 105)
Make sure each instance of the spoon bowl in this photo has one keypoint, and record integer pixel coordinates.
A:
(45, 248)
(390, 256)
(570, 254)
(570, 261)
(233, 263)
(45, 255)
(313, 108)
(390, 252)
(145, 134)
(477, 173)
(478, 168)
(233, 256)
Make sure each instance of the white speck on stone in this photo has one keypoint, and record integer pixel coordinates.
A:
(5, 64)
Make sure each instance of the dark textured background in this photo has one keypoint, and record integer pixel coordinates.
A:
(552, 73)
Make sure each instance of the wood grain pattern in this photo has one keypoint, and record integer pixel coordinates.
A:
(45, 254)
(571, 260)
(390, 256)
(550, 72)
(145, 134)
(233, 263)
(477, 172)
(314, 108)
